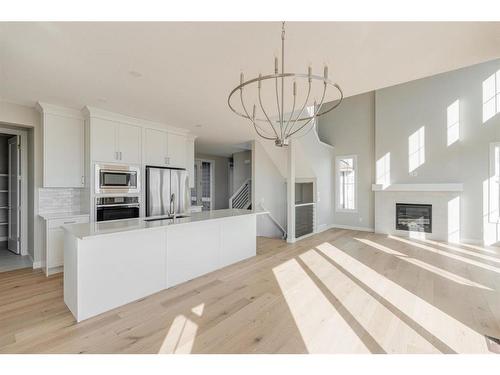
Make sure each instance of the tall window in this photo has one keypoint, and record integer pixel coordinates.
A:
(346, 183)
(494, 183)
(491, 96)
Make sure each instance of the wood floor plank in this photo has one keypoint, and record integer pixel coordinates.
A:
(340, 291)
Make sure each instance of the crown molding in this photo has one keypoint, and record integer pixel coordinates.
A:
(93, 112)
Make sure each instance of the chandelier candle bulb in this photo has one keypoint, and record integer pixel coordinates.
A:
(276, 65)
(242, 78)
(309, 71)
(325, 73)
(294, 88)
(260, 82)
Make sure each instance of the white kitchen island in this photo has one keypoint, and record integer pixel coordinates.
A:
(109, 264)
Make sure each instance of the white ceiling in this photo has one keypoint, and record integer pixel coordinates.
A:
(186, 70)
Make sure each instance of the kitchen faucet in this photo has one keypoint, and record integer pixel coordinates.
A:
(172, 205)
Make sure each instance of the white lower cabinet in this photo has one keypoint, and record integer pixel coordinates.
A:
(55, 248)
(54, 243)
(192, 251)
(196, 249)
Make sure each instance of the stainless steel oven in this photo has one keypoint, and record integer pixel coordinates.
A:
(116, 208)
(117, 179)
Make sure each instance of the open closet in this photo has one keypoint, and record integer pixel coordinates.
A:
(10, 193)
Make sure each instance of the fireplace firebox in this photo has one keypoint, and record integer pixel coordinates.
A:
(414, 217)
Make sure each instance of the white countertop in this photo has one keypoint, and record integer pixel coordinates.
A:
(93, 229)
(62, 215)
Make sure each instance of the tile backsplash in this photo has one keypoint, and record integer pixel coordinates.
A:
(60, 200)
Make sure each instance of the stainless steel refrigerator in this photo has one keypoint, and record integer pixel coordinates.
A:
(167, 189)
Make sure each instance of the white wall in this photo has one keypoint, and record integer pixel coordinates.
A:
(350, 129)
(314, 159)
(402, 109)
(242, 169)
(269, 190)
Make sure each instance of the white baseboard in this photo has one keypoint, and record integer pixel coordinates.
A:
(36, 265)
(324, 227)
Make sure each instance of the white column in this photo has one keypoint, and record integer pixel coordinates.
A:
(290, 187)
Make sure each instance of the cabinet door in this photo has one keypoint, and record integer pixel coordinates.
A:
(129, 144)
(155, 147)
(104, 145)
(63, 148)
(176, 150)
(55, 251)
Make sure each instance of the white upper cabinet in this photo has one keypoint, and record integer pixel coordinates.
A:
(121, 139)
(176, 147)
(164, 148)
(104, 139)
(113, 141)
(63, 146)
(129, 144)
(155, 147)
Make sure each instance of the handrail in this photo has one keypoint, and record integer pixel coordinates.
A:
(242, 195)
(241, 188)
(273, 219)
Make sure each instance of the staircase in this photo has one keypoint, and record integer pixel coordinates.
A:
(242, 198)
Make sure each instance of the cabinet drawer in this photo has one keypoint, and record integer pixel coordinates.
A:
(56, 223)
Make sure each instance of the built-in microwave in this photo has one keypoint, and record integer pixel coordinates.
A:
(112, 179)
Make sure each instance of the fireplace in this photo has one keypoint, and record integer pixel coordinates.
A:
(414, 217)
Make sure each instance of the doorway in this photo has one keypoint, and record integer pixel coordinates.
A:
(203, 192)
(13, 195)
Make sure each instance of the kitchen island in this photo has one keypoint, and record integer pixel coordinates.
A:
(109, 264)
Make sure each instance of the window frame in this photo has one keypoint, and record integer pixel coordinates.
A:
(337, 183)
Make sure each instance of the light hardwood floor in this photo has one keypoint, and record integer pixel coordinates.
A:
(336, 292)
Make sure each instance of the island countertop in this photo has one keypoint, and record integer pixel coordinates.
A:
(111, 263)
(88, 230)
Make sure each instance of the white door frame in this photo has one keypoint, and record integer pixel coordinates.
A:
(23, 139)
(212, 177)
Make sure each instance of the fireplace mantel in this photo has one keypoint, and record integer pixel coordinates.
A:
(418, 187)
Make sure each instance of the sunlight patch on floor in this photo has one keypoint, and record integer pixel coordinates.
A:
(446, 328)
(447, 254)
(181, 334)
(322, 329)
(394, 336)
(465, 251)
(419, 263)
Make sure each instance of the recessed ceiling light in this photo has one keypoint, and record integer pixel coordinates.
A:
(198, 126)
(135, 74)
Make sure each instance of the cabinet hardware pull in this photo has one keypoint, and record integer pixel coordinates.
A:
(69, 222)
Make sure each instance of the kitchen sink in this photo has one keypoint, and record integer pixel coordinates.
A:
(166, 218)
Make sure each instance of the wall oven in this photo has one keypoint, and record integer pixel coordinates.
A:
(116, 208)
(113, 179)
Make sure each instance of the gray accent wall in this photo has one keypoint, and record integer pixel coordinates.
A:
(374, 124)
(350, 129)
(402, 109)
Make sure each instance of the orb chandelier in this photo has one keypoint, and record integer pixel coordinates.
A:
(283, 125)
